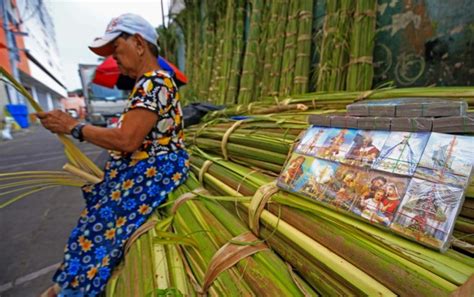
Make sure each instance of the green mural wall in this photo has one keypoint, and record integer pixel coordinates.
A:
(425, 42)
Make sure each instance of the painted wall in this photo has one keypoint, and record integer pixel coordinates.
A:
(425, 42)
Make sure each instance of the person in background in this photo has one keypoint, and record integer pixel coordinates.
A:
(147, 160)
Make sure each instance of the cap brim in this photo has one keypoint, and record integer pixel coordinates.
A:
(103, 46)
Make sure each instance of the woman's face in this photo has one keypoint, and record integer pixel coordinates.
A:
(391, 190)
(126, 55)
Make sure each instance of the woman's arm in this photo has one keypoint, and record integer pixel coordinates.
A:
(136, 124)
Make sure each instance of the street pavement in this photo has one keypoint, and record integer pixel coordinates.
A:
(34, 230)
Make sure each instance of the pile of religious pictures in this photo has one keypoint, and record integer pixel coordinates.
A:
(410, 182)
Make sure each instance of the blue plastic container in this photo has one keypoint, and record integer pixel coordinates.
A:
(20, 113)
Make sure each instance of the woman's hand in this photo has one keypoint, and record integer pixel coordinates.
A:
(57, 121)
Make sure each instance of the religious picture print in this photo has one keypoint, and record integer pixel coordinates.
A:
(312, 140)
(336, 144)
(349, 184)
(296, 172)
(382, 197)
(401, 152)
(447, 159)
(428, 211)
(365, 147)
(321, 174)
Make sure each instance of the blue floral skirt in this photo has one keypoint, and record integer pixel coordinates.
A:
(115, 208)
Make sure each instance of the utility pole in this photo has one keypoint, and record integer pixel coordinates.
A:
(12, 53)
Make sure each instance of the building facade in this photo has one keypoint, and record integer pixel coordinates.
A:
(28, 39)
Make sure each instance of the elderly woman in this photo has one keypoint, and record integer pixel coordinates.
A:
(147, 159)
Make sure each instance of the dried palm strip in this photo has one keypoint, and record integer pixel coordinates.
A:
(72, 152)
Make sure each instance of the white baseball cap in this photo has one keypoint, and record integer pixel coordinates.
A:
(129, 23)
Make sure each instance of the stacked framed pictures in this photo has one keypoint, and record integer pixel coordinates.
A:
(410, 182)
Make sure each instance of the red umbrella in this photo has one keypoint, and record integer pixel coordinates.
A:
(108, 75)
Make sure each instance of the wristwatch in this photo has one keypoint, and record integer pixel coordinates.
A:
(76, 132)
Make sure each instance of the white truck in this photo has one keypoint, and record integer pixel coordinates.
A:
(104, 105)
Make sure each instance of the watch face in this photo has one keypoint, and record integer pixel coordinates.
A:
(76, 132)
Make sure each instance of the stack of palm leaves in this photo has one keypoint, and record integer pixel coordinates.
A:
(262, 143)
(324, 102)
(226, 59)
(155, 264)
(346, 254)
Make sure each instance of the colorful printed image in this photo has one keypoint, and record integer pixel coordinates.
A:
(447, 159)
(336, 144)
(401, 152)
(428, 212)
(321, 174)
(312, 141)
(365, 147)
(349, 184)
(296, 172)
(381, 199)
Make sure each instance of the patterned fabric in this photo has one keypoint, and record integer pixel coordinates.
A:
(133, 186)
(115, 208)
(156, 91)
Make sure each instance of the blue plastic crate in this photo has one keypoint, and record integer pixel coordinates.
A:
(20, 113)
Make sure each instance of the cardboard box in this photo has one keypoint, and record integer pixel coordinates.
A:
(411, 124)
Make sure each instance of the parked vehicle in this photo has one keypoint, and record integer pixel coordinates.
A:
(103, 104)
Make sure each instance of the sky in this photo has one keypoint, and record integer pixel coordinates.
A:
(78, 22)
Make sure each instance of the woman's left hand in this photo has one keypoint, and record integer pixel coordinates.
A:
(57, 121)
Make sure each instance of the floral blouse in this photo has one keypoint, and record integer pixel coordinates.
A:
(156, 91)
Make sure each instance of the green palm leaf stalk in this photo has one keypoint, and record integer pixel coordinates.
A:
(270, 46)
(151, 265)
(216, 77)
(227, 51)
(340, 57)
(303, 48)
(289, 53)
(262, 44)
(327, 45)
(276, 68)
(237, 54)
(250, 63)
(264, 272)
(207, 49)
(360, 71)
